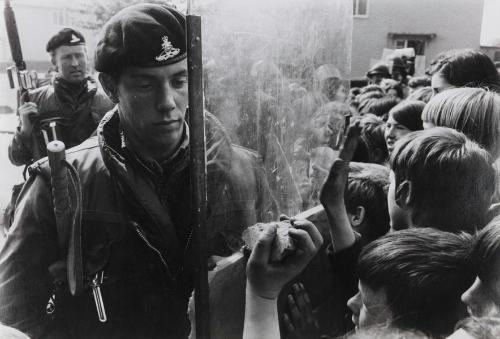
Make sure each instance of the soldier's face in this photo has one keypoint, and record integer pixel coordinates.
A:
(153, 102)
(71, 62)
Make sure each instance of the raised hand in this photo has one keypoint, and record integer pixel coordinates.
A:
(265, 278)
(333, 190)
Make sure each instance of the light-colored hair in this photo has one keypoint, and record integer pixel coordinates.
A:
(472, 111)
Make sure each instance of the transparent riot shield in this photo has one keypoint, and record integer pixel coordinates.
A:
(276, 76)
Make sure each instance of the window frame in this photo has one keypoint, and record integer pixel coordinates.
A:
(356, 9)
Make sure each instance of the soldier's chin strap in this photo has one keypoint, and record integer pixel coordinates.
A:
(68, 213)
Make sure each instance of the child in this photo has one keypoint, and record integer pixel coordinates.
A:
(472, 111)
(403, 118)
(483, 297)
(426, 190)
(413, 279)
(366, 200)
(440, 179)
(371, 146)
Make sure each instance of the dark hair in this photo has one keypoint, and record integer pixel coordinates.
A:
(379, 107)
(409, 114)
(472, 111)
(371, 144)
(486, 251)
(367, 186)
(422, 94)
(467, 67)
(364, 99)
(452, 178)
(389, 84)
(419, 82)
(371, 88)
(423, 272)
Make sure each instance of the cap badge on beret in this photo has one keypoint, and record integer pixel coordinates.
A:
(74, 39)
(168, 52)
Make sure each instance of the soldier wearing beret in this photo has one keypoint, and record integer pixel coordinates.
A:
(136, 222)
(72, 100)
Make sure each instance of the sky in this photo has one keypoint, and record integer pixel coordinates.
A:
(490, 30)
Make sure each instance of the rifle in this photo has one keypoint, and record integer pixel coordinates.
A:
(26, 80)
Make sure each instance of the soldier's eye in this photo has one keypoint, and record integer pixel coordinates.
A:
(179, 82)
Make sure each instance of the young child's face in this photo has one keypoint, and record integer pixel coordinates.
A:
(393, 132)
(369, 307)
(399, 216)
(322, 130)
(483, 297)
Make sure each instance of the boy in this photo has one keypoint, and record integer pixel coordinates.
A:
(483, 297)
(426, 190)
(413, 279)
(366, 200)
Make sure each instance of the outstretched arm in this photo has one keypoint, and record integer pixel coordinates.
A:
(332, 193)
(265, 279)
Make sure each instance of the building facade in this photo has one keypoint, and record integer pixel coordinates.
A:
(429, 26)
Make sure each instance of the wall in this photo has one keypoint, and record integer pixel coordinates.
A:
(456, 23)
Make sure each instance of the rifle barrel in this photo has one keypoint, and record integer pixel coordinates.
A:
(13, 35)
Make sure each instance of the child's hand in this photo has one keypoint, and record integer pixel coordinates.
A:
(299, 320)
(332, 193)
(265, 279)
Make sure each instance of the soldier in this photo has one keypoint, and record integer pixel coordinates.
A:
(72, 101)
(136, 220)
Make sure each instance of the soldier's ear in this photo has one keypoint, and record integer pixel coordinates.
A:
(110, 86)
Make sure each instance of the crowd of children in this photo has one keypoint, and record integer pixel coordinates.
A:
(411, 200)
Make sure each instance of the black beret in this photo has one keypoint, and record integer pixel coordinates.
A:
(144, 35)
(65, 37)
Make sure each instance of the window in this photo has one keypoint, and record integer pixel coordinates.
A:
(360, 8)
(59, 18)
(417, 44)
(496, 57)
(408, 40)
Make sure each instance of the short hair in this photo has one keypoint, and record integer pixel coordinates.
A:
(409, 114)
(419, 82)
(388, 84)
(371, 144)
(422, 94)
(379, 107)
(467, 67)
(367, 186)
(371, 88)
(452, 178)
(365, 98)
(486, 251)
(472, 111)
(423, 272)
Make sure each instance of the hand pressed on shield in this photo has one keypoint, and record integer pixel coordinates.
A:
(332, 193)
(299, 320)
(265, 278)
(333, 190)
